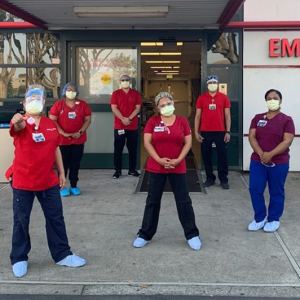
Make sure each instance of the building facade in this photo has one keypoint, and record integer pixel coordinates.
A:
(159, 54)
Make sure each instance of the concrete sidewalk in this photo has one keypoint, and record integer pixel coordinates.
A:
(102, 224)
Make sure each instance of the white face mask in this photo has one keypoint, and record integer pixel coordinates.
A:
(71, 95)
(273, 104)
(212, 87)
(34, 107)
(125, 84)
(167, 111)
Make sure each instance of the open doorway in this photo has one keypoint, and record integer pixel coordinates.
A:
(174, 67)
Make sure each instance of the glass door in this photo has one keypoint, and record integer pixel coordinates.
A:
(96, 70)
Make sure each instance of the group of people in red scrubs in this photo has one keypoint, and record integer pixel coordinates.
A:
(42, 143)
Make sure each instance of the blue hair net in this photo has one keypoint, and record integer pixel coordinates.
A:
(63, 93)
(212, 78)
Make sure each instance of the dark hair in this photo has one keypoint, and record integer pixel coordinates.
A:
(271, 91)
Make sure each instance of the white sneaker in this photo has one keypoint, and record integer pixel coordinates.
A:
(20, 268)
(255, 226)
(271, 226)
(139, 242)
(195, 243)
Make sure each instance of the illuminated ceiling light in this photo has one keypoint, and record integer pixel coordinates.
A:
(176, 67)
(170, 53)
(167, 74)
(150, 53)
(163, 61)
(155, 71)
(152, 44)
(179, 43)
(161, 53)
(162, 67)
(121, 11)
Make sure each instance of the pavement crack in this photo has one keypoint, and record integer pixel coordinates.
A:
(82, 290)
(288, 253)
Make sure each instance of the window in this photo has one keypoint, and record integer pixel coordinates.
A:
(225, 50)
(28, 58)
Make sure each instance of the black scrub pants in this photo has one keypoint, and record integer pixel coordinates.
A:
(131, 139)
(55, 226)
(206, 149)
(72, 155)
(183, 202)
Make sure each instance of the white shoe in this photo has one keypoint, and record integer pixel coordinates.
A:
(73, 261)
(20, 268)
(255, 226)
(195, 243)
(139, 242)
(271, 226)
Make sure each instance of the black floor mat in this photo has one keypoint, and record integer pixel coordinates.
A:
(193, 180)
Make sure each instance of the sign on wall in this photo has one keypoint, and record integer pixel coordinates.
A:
(284, 48)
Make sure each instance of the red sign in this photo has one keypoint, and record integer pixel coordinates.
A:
(283, 48)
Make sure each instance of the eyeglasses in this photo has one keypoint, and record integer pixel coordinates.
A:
(70, 90)
(166, 104)
(124, 80)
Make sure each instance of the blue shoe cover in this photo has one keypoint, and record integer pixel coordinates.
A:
(73, 261)
(64, 192)
(195, 243)
(75, 191)
(139, 242)
(255, 226)
(20, 268)
(271, 226)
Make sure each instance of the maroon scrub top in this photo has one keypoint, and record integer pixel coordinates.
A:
(269, 134)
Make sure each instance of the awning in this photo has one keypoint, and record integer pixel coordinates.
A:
(117, 14)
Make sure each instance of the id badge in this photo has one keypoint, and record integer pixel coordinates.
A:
(72, 115)
(212, 106)
(121, 131)
(159, 129)
(38, 137)
(262, 123)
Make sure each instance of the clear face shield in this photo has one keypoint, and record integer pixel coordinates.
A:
(34, 99)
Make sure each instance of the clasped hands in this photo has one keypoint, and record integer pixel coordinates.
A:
(126, 121)
(75, 135)
(265, 157)
(168, 163)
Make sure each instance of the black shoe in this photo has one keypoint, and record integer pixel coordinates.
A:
(117, 174)
(208, 183)
(134, 173)
(224, 185)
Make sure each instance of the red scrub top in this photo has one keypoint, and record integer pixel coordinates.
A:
(33, 165)
(126, 103)
(212, 111)
(167, 142)
(269, 134)
(71, 119)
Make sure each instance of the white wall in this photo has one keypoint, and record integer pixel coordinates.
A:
(258, 77)
(256, 47)
(272, 10)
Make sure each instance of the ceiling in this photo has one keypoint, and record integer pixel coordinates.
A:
(190, 54)
(182, 14)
